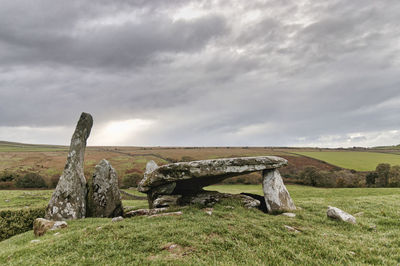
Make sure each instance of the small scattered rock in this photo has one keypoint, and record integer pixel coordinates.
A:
(291, 229)
(98, 228)
(167, 214)
(359, 214)
(352, 253)
(41, 226)
(289, 214)
(35, 241)
(7, 200)
(170, 246)
(209, 211)
(142, 212)
(56, 234)
(338, 214)
(117, 219)
(372, 227)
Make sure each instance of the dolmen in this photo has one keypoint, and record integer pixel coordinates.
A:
(182, 183)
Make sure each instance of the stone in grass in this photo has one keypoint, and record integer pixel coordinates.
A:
(291, 229)
(117, 219)
(289, 214)
(41, 226)
(143, 212)
(338, 214)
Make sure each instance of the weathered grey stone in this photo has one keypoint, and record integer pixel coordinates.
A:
(165, 201)
(338, 214)
(192, 176)
(104, 199)
(41, 226)
(143, 212)
(117, 219)
(291, 229)
(289, 214)
(69, 198)
(276, 195)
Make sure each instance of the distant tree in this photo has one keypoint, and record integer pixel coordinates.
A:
(30, 180)
(382, 170)
(394, 176)
(309, 175)
(370, 178)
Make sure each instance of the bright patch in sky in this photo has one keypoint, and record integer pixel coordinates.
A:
(119, 132)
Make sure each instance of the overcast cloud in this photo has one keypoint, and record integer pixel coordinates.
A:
(202, 73)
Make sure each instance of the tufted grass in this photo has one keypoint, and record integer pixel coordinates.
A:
(229, 236)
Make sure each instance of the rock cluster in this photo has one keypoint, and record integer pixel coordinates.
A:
(182, 183)
(70, 198)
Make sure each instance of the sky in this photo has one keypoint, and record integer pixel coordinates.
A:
(201, 73)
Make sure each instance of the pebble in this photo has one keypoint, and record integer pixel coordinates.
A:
(289, 214)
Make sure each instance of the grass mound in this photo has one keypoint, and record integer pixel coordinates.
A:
(231, 235)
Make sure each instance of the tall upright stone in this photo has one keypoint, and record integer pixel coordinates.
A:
(69, 199)
(104, 199)
(276, 195)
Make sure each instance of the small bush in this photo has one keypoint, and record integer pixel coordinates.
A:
(13, 222)
(131, 180)
(30, 180)
(7, 176)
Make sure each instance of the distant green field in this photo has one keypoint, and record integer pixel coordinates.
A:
(360, 161)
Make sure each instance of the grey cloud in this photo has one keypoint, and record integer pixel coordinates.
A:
(297, 74)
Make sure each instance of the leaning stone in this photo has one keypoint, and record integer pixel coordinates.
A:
(143, 212)
(41, 226)
(104, 199)
(117, 219)
(166, 214)
(276, 195)
(338, 214)
(69, 198)
(289, 214)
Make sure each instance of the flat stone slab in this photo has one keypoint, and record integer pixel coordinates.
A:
(198, 174)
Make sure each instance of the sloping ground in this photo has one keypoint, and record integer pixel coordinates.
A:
(360, 161)
(229, 236)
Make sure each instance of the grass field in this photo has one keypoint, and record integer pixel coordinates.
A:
(360, 161)
(229, 236)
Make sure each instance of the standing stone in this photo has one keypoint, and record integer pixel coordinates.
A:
(104, 199)
(276, 195)
(69, 199)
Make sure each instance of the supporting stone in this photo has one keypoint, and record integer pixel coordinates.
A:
(69, 198)
(276, 195)
(104, 199)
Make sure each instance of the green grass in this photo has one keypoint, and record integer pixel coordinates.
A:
(360, 161)
(229, 236)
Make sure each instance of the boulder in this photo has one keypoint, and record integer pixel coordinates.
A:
(276, 195)
(69, 198)
(41, 226)
(104, 199)
(338, 214)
